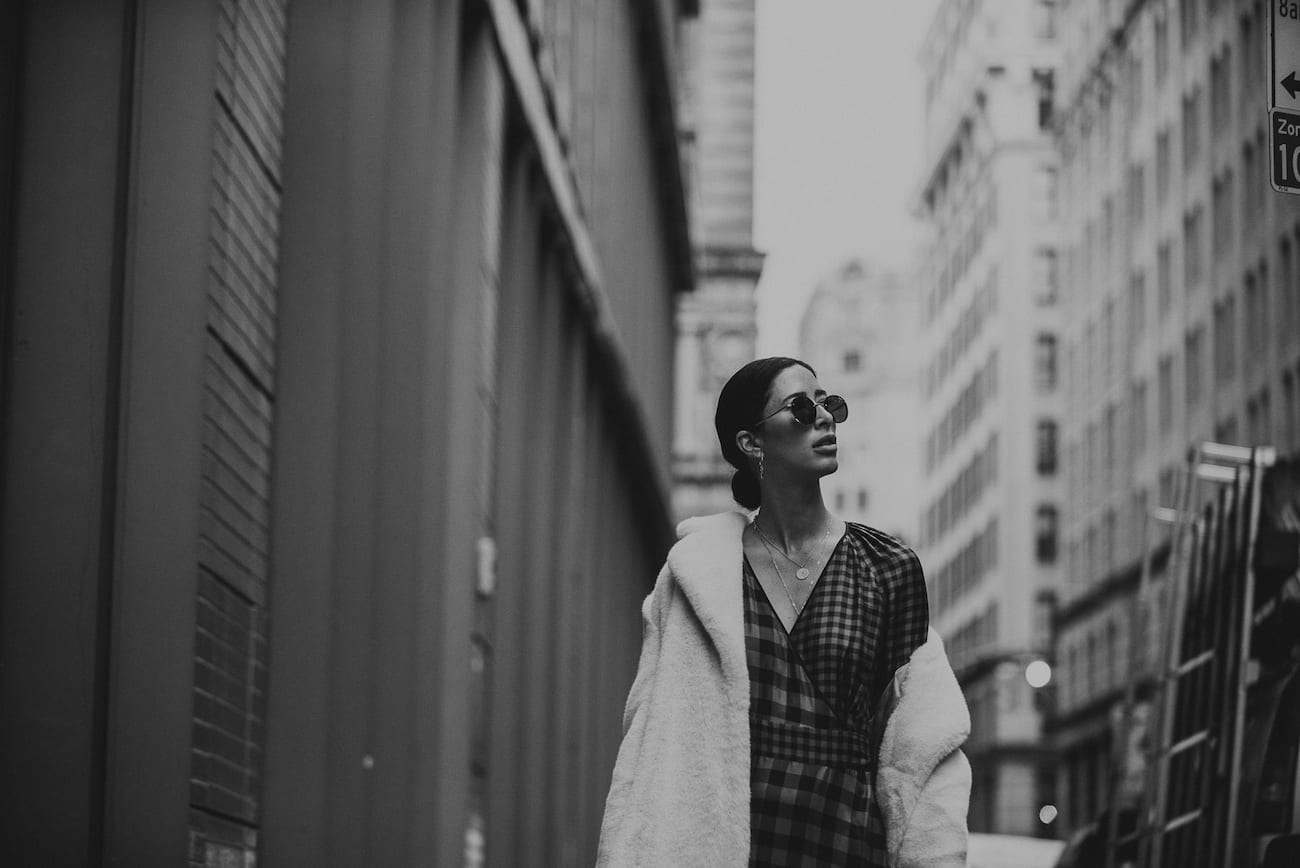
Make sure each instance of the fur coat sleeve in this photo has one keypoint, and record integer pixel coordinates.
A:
(680, 791)
(923, 779)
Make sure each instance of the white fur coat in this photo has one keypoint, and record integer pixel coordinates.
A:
(680, 791)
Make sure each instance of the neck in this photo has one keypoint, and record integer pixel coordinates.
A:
(792, 514)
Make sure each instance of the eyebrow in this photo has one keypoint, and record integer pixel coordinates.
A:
(792, 394)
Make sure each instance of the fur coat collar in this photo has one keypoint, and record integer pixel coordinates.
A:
(680, 789)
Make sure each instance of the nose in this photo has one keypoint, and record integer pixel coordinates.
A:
(823, 416)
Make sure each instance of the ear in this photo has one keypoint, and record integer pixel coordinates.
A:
(749, 442)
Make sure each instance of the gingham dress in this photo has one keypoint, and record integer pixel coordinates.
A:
(813, 692)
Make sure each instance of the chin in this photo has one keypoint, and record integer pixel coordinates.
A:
(829, 466)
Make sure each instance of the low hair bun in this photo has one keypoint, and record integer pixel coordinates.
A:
(744, 488)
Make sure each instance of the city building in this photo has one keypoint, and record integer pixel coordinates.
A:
(716, 330)
(1181, 286)
(860, 332)
(337, 421)
(992, 386)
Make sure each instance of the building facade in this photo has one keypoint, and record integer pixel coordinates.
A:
(716, 329)
(991, 384)
(859, 332)
(337, 423)
(1182, 291)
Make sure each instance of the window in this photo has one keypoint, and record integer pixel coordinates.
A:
(1047, 277)
(1226, 430)
(1191, 128)
(1220, 87)
(1223, 204)
(1046, 530)
(1045, 363)
(1048, 446)
(1286, 300)
(1045, 19)
(1048, 195)
(1259, 418)
(1108, 360)
(1044, 84)
(1253, 49)
(1194, 360)
(1137, 306)
(1288, 411)
(1138, 417)
(1136, 190)
(1192, 246)
(1249, 207)
(1257, 314)
(862, 500)
(1165, 394)
(1109, 530)
(1189, 19)
(1164, 279)
(1110, 445)
(852, 361)
(1225, 341)
(1163, 167)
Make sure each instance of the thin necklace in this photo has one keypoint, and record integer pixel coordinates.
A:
(798, 610)
(802, 573)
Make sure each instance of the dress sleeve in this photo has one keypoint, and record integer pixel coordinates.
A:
(908, 608)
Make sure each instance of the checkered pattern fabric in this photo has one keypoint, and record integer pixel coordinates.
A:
(813, 692)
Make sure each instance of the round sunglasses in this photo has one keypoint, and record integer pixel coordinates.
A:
(804, 409)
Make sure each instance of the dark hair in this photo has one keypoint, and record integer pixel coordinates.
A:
(739, 405)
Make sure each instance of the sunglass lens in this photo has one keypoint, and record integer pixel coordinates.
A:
(803, 410)
(837, 407)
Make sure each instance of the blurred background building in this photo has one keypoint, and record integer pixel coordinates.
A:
(716, 331)
(337, 407)
(992, 384)
(1182, 287)
(860, 332)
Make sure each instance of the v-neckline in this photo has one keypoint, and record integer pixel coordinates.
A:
(799, 616)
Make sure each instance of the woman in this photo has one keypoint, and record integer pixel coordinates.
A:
(791, 706)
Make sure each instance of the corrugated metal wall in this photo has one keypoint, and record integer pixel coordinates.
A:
(370, 464)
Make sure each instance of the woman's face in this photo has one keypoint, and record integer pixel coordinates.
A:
(790, 448)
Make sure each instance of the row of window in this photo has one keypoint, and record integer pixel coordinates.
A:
(1271, 315)
(968, 327)
(1232, 210)
(1092, 663)
(841, 499)
(962, 252)
(974, 639)
(1113, 540)
(956, 578)
(962, 493)
(970, 404)
(1097, 245)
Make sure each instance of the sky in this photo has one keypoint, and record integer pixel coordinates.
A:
(838, 139)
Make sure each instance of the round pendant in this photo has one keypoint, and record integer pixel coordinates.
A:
(801, 573)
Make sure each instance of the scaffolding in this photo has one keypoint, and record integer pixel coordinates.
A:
(1190, 707)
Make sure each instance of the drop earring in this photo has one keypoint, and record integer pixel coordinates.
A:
(760, 465)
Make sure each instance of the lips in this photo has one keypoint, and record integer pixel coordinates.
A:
(828, 440)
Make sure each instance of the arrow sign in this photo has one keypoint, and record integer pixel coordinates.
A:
(1284, 54)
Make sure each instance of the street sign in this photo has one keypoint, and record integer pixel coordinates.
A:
(1284, 144)
(1284, 55)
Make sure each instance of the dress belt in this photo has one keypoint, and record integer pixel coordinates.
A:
(837, 748)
